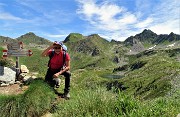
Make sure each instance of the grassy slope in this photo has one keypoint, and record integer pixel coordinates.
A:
(34, 102)
(35, 63)
(84, 59)
(154, 78)
(32, 38)
(90, 98)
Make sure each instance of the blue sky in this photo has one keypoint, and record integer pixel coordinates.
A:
(111, 19)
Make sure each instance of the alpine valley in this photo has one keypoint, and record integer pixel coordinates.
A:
(137, 77)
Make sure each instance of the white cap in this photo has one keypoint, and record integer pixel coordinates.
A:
(64, 47)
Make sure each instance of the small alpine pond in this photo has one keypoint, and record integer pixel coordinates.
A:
(112, 76)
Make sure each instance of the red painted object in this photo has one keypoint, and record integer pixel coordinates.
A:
(4, 53)
(30, 52)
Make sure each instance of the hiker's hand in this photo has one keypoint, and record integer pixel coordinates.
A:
(51, 46)
(56, 75)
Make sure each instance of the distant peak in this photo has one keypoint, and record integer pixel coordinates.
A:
(147, 31)
(94, 35)
(171, 33)
(73, 37)
(74, 34)
(30, 33)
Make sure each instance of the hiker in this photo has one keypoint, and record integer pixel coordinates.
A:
(59, 64)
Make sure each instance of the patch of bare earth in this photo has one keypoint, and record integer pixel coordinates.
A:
(12, 89)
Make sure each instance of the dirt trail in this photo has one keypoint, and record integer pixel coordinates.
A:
(12, 89)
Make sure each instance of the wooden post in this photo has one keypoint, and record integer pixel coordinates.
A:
(16, 49)
(17, 68)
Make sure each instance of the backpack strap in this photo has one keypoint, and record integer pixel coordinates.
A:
(64, 58)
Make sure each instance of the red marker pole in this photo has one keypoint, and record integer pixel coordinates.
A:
(4, 53)
(30, 52)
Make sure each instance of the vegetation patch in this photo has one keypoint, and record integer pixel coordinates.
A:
(35, 102)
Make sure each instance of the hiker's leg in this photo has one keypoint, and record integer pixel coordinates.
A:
(57, 82)
(49, 79)
(67, 76)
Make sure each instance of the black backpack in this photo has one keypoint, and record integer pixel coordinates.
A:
(51, 56)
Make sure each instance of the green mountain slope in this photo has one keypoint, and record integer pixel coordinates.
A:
(4, 40)
(151, 75)
(92, 51)
(31, 38)
(72, 37)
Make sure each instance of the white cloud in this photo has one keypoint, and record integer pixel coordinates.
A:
(166, 27)
(57, 36)
(145, 23)
(110, 20)
(166, 17)
(106, 16)
(117, 22)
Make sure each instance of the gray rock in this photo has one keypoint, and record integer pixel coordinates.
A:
(17, 82)
(7, 74)
(21, 76)
(24, 69)
(4, 85)
(11, 82)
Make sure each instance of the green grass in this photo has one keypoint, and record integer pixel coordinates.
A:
(36, 101)
(99, 102)
(8, 62)
(35, 63)
(90, 98)
(95, 102)
(154, 78)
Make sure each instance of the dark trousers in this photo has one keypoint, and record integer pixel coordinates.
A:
(52, 83)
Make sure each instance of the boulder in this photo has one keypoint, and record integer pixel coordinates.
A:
(7, 74)
(4, 85)
(21, 76)
(24, 69)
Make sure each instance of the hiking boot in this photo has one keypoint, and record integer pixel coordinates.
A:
(57, 86)
(66, 95)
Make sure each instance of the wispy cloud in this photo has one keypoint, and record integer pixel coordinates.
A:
(49, 14)
(166, 17)
(106, 16)
(8, 16)
(117, 22)
(109, 18)
(38, 16)
(56, 36)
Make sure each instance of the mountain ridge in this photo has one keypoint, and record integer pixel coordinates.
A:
(32, 38)
(146, 36)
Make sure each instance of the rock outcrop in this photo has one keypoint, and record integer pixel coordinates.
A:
(7, 75)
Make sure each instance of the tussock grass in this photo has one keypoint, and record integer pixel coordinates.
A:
(34, 102)
(101, 103)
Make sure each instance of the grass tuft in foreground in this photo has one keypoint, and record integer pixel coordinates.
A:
(36, 101)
